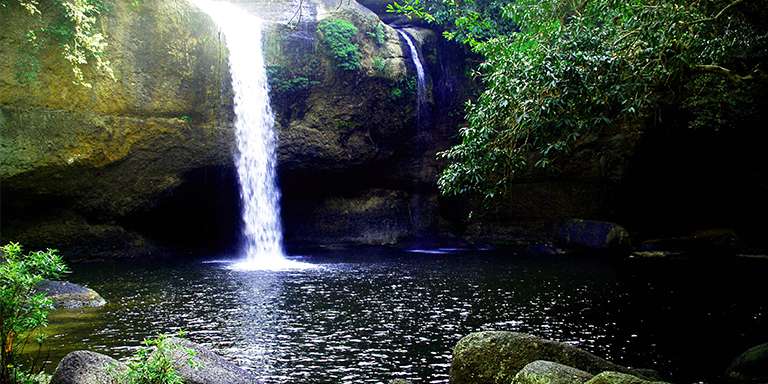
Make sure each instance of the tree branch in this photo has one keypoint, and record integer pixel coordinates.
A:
(718, 70)
(722, 11)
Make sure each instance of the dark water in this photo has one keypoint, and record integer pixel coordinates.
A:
(371, 315)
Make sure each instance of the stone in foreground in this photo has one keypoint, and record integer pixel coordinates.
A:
(619, 378)
(85, 367)
(547, 372)
(496, 357)
(212, 369)
(69, 295)
(751, 366)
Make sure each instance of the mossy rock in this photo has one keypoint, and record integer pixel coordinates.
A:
(69, 295)
(547, 372)
(751, 366)
(495, 357)
(609, 377)
(85, 367)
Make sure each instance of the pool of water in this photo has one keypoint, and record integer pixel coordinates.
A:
(371, 315)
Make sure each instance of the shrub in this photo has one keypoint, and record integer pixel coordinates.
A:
(23, 310)
(379, 65)
(74, 26)
(378, 34)
(154, 362)
(337, 35)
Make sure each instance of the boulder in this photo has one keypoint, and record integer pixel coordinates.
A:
(547, 372)
(593, 235)
(212, 369)
(718, 241)
(497, 356)
(751, 366)
(69, 295)
(85, 367)
(609, 377)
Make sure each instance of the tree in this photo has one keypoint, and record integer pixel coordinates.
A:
(557, 73)
(23, 309)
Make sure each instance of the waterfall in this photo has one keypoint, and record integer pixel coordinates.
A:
(421, 84)
(256, 141)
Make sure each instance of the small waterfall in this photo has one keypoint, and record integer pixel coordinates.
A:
(421, 84)
(256, 141)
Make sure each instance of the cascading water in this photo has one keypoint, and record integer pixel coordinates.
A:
(421, 82)
(256, 141)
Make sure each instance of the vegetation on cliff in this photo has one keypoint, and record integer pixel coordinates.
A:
(557, 73)
(338, 35)
(73, 26)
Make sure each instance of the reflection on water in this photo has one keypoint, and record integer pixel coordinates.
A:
(373, 315)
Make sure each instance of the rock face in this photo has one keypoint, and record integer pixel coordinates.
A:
(97, 155)
(68, 295)
(90, 170)
(751, 366)
(213, 369)
(84, 367)
(547, 372)
(497, 356)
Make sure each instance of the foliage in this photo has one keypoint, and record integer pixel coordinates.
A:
(557, 73)
(73, 25)
(31, 378)
(379, 65)
(338, 36)
(288, 80)
(154, 362)
(468, 22)
(23, 310)
(378, 34)
(404, 87)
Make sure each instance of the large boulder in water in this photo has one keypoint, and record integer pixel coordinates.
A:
(547, 372)
(751, 366)
(495, 357)
(212, 368)
(593, 235)
(85, 367)
(69, 295)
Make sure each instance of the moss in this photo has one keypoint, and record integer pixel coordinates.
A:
(377, 34)
(379, 65)
(338, 37)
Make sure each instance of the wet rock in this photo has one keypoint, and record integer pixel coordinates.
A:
(547, 372)
(751, 366)
(593, 235)
(69, 295)
(85, 367)
(212, 368)
(709, 241)
(653, 254)
(619, 378)
(497, 356)
(544, 249)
